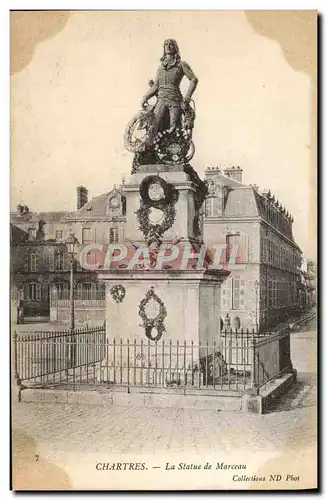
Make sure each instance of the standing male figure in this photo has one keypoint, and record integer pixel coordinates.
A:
(166, 87)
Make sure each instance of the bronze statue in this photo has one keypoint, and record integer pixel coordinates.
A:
(162, 133)
(165, 87)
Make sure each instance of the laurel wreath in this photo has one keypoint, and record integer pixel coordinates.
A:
(151, 323)
(145, 119)
(154, 232)
(118, 293)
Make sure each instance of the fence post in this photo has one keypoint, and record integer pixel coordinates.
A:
(254, 381)
(17, 377)
(15, 356)
(67, 353)
(73, 349)
(128, 389)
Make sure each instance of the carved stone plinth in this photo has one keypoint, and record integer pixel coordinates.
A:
(185, 208)
(167, 306)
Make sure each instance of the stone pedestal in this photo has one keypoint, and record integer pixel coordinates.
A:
(190, 303)
(184, 227)
(159, 320)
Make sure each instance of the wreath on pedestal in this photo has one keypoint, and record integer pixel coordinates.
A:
(154, 232)
(118, 293)
(174, 146)
(153, 323)
(166, 203)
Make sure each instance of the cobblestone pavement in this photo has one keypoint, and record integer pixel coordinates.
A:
(80, 428)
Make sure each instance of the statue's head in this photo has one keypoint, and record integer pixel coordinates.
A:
(171, 48)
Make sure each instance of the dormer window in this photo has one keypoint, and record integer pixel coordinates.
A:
(114, 202)
(31, 234)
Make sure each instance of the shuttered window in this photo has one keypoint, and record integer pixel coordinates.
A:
(32, 291)
(61, 261)
(113, 235)
(30, 263)
(233, 293)
(62, 290)
(86, 235)
(238, 292)
(232, 246)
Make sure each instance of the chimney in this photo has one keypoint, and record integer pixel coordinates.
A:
(234, 173)
(25, 210)
(82, 193)
(20, 209)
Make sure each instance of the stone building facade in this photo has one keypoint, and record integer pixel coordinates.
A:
(40, 268)
(262, 289)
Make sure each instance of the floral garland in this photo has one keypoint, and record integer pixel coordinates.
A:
(118, 293)
(172, 146)
(154, 232)
(151, 323)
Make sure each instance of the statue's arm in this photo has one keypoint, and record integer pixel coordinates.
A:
(193, 80)
(153, 90)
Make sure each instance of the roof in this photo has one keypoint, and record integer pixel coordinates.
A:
(16, 218)
(97, 207)
(241, 203)
(222, 179)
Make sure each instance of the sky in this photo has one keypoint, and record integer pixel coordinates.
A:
(70, 106)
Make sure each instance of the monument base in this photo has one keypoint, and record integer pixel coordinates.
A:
(161, 318)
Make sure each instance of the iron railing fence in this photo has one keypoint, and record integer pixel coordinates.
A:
(239, 362)
(40, 355)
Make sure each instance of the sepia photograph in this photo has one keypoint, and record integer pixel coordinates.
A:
(163, 250)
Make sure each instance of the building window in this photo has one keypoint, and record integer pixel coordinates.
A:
(270, 294)
(271, 252)
(113, 235)
(62, 290)
(263, 293)
(61, 261)
(31, 234)
(232, 246)
(86, 235)
(50, 259)
(58, 234)
(274, 293)
(209, 207)
(90, 291)
(30, 262)
(238, 293)
(226, 291)
(32, 291)
(233, 293)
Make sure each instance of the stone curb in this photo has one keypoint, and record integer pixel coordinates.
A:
(261, 403)
(132, 400)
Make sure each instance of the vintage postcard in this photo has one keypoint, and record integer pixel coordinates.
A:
(163, 250)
